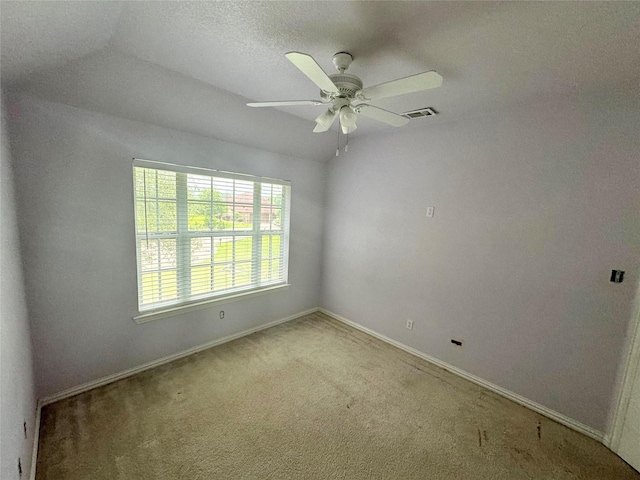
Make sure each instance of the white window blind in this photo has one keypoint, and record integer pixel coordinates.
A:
(203, 234)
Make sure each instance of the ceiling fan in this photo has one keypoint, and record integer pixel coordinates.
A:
(345, 95)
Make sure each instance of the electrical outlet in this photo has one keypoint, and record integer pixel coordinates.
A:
(617, 276)
(221, 314)
(410, 324)
(430, 211)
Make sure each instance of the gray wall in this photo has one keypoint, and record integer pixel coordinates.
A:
(533, 208)
(17, 392)
(75, 202)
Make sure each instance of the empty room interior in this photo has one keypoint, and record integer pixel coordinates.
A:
(320, 240)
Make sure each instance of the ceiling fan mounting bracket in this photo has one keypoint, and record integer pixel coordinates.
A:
(342, 60)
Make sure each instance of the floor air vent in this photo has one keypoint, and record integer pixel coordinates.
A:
(423, 112)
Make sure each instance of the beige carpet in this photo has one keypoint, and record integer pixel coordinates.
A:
(310, 399)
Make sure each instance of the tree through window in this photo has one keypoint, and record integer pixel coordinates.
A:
(203, 234)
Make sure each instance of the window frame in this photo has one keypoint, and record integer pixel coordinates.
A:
(183, 236)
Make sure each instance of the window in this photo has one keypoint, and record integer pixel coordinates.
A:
(205, 235)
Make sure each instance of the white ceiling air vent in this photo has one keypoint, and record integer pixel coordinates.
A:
(423, 112)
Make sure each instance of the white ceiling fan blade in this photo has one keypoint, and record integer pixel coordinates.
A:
(307, 65)
(324, 121)
(381, 115)
(285, 103)
(414, 83)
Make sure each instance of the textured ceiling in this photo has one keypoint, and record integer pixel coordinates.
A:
(492, 55)
(37, 35)
(488, 53)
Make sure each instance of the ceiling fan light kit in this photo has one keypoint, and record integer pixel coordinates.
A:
(345, 95)
(324, 121)
(347, 120)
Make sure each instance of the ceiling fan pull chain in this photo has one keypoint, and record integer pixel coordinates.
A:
(346, 147)
(338, 144)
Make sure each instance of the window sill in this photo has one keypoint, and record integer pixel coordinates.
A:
(181, 309)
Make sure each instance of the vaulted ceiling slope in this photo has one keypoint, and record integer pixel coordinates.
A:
(38, 35)
(492, 55)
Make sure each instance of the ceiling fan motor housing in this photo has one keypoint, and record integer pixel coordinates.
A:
(346, 83)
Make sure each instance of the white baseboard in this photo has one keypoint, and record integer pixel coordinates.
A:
(553, 415)
(536, 407)
(70, 392)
